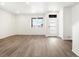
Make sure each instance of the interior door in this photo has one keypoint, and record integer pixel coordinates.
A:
(52, 25)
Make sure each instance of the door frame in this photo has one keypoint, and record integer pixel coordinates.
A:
(47, 18)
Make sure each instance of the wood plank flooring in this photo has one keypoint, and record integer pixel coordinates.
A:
(35, 46)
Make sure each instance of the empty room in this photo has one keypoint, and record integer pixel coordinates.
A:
(39, 29)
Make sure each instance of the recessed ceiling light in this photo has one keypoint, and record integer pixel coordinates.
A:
(2, 3)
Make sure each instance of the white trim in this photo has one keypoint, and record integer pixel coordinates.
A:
(67, 38)
(6, 36)
(47, 23)
(76, 52)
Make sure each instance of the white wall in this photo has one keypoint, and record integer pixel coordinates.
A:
(75, 28)
(21, 24)
(6, 24)
(67, 23)
(60, 23)
(24, 25)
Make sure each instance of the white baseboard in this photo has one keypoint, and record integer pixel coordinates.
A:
(6, 36)
(67, 38)
(76, 52)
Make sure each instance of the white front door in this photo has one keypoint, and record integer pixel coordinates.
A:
(52, 27)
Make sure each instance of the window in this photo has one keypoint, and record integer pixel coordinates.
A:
(37, 22)
(52, 16)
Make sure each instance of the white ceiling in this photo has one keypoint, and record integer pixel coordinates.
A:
(33, 7)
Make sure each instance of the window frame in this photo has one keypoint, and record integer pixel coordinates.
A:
(37, 25)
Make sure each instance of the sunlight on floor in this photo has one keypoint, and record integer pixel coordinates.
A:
(52, 40)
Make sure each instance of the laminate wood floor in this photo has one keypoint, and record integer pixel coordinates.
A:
(35, 46)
